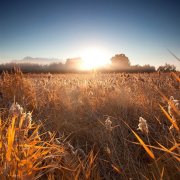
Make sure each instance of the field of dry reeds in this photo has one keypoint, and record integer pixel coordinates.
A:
(89, 126)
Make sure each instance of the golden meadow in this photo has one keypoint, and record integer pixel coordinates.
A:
(89, 126)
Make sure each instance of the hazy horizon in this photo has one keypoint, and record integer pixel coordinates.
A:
(46, 61)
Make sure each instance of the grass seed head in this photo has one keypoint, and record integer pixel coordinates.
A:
(142, 126)
(16, 109)
(108, 124)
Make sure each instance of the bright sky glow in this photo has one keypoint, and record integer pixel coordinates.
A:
(143, 30)
(94, 57)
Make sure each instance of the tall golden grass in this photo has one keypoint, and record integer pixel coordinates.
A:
(95, 117)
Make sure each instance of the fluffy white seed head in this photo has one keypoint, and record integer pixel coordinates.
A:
(28, 120)
(173, 107)
(142, 126)
(108, 124)
(16, 109)
(174, 102)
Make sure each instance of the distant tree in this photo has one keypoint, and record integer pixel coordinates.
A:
(166, 68)
(55, 67)
(120, 61)
(73, 63)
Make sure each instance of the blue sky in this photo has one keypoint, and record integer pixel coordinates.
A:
(142, 29)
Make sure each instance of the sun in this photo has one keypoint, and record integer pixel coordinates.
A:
(94, 58)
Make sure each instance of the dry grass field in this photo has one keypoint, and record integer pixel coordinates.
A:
(89, 126)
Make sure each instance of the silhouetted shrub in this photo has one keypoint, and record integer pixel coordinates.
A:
(166, 68)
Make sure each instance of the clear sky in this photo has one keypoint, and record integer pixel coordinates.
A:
(141, 29)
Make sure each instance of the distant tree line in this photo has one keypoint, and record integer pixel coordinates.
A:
(119, 63)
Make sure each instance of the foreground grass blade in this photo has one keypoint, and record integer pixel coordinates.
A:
(10, 136)
(177, 78)
(169, 118)
(150, 153)
(117, 169)
(144, 145)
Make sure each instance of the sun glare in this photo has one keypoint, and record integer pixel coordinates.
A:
(94, 58)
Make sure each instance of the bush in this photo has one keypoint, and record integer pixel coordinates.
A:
(166, 68)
